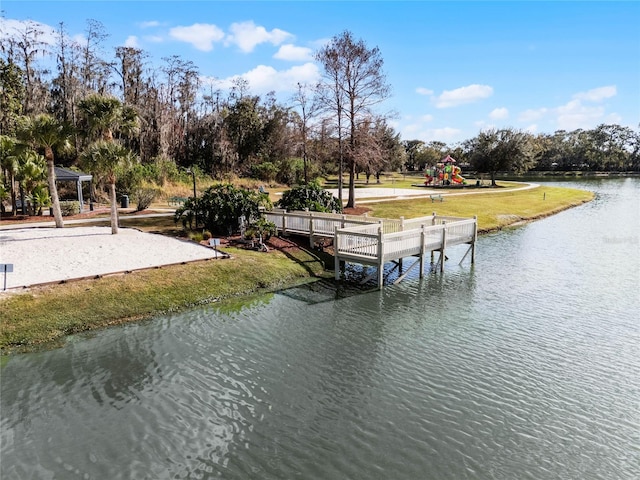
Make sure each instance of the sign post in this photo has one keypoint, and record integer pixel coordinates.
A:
(6, 268)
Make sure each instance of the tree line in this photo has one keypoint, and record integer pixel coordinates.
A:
(321, 128)
(74, 104)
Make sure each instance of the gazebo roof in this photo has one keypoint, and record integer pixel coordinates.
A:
(66, 175)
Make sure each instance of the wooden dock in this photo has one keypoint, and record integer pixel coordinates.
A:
(376, 241)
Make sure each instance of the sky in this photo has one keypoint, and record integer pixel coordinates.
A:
(454, 68)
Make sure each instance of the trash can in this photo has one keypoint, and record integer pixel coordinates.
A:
(124, 201)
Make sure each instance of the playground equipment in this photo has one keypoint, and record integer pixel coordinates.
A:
(444, 173)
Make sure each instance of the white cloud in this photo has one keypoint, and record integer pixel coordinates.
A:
(131, 42)
(532, 114)
(597, 94)
(462, 95)
(200, 35)
(17, 29)
(574, 115)
(264, 79)
(247, 35)
(446, 134)
(292, 53)
(149, 24)
(154, 38)
(424, 91)
(533, 128)
(417, 131)
(499, 114)
(426, 118)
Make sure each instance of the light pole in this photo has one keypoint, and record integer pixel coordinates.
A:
(193, 175)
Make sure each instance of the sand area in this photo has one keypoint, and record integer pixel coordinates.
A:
(44, 255)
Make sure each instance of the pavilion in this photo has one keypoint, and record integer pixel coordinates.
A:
(66, 175)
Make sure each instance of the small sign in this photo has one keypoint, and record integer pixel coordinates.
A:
(214, 242)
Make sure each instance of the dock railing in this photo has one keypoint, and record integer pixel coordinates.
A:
(375, 241)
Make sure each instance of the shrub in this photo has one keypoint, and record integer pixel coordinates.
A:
(220, 207)
(261, 228)
(144, 197)
(310, 196)
(69, 207)
(290, 171)
(265, 171)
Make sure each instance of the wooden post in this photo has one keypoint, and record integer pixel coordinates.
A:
(380, 258)
(422, 248)
(311, 239)
(475, 238)
(444, 244)
(336, 249)
(284, 222)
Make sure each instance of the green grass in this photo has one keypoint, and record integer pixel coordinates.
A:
(47, 314)
(494, 210)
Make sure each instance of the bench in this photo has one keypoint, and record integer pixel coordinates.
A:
(176, 201)
(436, 197)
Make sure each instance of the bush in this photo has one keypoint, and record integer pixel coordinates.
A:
(265, 171)
(290, 171)
(128, 180)
(144, 197)
(311, 196)
(69, 207)
(220, 208)
(261, 228)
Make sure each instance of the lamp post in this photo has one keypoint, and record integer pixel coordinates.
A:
(193, 175)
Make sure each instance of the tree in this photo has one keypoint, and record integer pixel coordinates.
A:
(244, 128)
(94, 71)
(47, 133)
(506, 149)
(105, 117)
(413, 149)
(353, 73)
(9, 165)
(30, 173)
(307, 110)
(12, 96)
(23, 47)
(103, 158)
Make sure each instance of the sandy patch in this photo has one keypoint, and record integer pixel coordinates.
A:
(44, 255)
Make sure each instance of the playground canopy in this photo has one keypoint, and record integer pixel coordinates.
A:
(448, 159)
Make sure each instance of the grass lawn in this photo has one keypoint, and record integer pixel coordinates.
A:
(494, 210)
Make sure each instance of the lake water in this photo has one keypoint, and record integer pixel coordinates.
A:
(524, 366)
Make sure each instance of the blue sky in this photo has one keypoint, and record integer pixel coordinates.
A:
(454, 67)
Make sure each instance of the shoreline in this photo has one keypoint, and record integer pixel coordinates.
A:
(122, 298)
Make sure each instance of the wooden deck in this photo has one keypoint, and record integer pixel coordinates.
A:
(375, 241)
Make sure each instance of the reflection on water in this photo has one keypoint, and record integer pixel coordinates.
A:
(523, 366)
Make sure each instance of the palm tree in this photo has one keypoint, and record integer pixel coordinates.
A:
(103, 158)
(102, 116)
(31, 172)
(45, 132)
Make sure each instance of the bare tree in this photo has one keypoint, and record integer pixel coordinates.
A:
(94, 70)
(307, 108)
(353, 74)
(23, 48)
